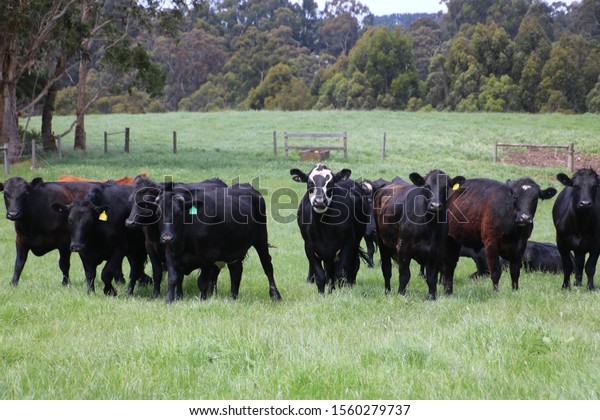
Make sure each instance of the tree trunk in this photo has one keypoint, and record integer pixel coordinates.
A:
(81, 85)
(48, 139)
(10, 124)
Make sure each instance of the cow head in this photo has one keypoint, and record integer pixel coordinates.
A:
(82, 216)
(16, 191)
(584, 184)
(437, 187)
(320, 183)
(144, 210)
(526, 193)
(175, 211)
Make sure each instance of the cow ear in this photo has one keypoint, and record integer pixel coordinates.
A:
(565, 180)
(457, 181)
(342, 175)
(367, 187)
(509, 183)
(60, 208)
(1, 186)
(36, 183)
(298, 175)
(417, 179)
(547, 193)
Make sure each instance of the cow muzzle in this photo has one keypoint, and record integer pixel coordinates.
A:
(130, 223)
(77, 247)
(524, 219)
(167, 238)
(584, 204)
(13, 215)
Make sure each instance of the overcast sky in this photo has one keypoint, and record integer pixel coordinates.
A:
(387, 7)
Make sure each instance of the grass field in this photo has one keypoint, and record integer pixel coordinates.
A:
(538, 343)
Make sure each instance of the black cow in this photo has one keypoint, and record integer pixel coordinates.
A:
(576, 216)
(98, 233)
(332, 217)
(412, 224)
(145, 215)
(538, 256)
(212, 228)
(39, 229)
(498, 217)
(370, 188)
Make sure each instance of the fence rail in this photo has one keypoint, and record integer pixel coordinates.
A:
(295, 135)
(570, 148)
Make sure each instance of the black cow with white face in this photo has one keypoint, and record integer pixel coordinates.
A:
(98, 234)
(576, 216)
(332, 217)
(39, 229)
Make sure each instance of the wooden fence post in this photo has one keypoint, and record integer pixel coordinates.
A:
(285, 139)
(33, 154)
(383, 146)
(345, 145)
(275, 144)
(571, 156)
(174, 142)
(495, 158)
(126, 139)
(105, 142)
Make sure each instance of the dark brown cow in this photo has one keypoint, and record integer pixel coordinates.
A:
(495, 216)
(412, 224)
(38, 228)
(126, 180)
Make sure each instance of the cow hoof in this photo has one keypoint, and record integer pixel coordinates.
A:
(275, 295)
(110, 291)
(155, 294)
(129, 291)
(14, 283)
(431, 297)
(578, 284)
(65, 281)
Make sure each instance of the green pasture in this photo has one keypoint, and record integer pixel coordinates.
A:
(538, 343)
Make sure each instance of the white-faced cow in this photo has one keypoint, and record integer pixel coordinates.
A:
(38, 228)
(412, 225)
(332, 218)
(576, 215)
(210, 229)
(98, 234)
(495, 216)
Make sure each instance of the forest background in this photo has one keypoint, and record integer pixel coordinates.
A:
(78, 57)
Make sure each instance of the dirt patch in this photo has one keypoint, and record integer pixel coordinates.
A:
(546, 158)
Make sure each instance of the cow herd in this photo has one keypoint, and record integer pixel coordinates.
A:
(432, 219)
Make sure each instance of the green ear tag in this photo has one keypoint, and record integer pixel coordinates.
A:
(193, 210)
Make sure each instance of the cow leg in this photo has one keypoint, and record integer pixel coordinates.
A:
(320, 276)
(515, 271)
(21, 258)
(451, 257)
(590, 269)
(205, 280)
(332, 274)
(136, 263)
(493, 260)
(108, 273)
(174, 284)
(386, 266)
(567, 262)
(89, 267)
(235, 272)
(579, 267)
(64, 263)
(262, 248)
(310, 278)
(404, 275)
(157, 273)
(370, 250)
(432, 279)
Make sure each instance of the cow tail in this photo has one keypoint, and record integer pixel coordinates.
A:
(363, 254)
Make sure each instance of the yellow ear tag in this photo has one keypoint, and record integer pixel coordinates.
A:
(193, 210)
(456, 186)
(103, 216)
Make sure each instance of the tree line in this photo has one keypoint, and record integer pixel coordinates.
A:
(82, 56)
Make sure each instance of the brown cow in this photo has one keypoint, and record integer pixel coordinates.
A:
(495, 216)
(126, 180)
